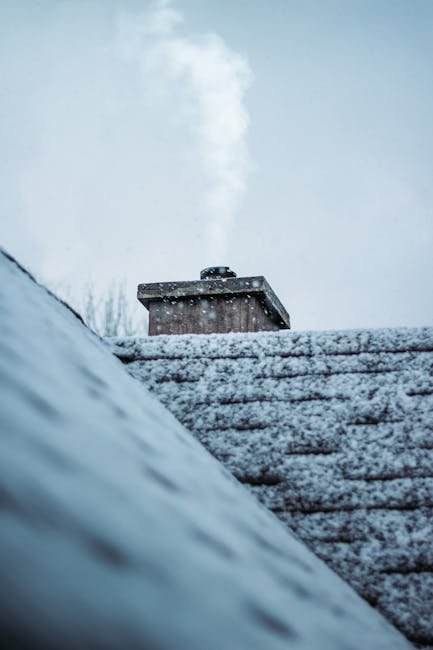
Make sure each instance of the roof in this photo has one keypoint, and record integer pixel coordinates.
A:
(333, 431)
(118, 530)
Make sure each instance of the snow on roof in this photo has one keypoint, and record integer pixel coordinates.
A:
(333, 431)
(118, 530)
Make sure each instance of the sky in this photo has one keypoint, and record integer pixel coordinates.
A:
(147, 140)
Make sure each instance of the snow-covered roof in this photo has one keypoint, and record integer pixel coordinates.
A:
(333, 431)
(118, 530)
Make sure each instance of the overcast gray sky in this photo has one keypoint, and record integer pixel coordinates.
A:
(287, 139)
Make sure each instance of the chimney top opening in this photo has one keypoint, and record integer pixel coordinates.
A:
(215, 272)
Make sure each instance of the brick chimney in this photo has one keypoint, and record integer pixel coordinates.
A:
(218, 302)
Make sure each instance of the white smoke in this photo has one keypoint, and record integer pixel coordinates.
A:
(213, 80)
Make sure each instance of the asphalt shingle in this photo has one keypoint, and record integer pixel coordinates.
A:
(333, 431)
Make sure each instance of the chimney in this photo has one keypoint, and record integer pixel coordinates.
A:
(218, 302)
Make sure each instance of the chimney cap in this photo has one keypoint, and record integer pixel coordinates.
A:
(216, 272)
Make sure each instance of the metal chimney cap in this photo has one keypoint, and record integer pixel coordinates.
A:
(215, 272)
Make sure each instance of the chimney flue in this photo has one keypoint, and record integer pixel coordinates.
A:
(219, 302)
(213, 272)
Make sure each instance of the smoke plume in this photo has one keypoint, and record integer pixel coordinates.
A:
(206, 81)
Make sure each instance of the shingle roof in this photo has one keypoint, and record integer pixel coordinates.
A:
(119, 531)
(333, 431)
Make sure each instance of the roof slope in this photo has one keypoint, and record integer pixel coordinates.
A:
(118, 530)
(333, 431)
